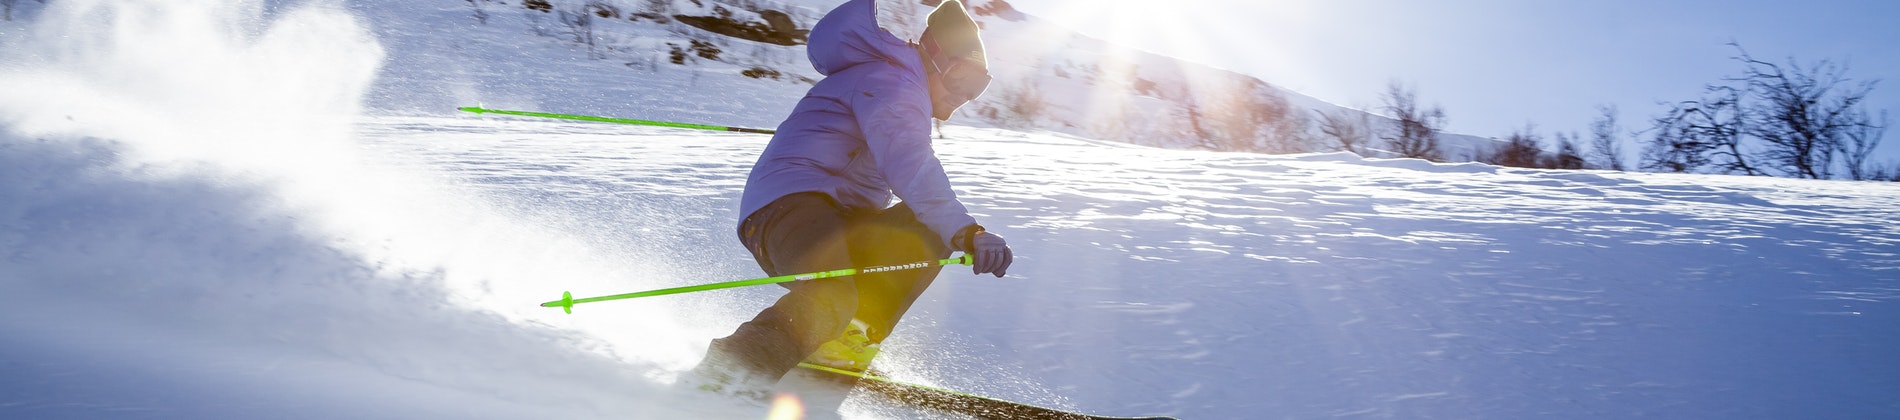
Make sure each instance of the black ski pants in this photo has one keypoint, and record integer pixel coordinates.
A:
(810, 232)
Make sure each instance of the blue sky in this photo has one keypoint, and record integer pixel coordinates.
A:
(1496, 65)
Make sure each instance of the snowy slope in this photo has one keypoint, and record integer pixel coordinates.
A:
(443, 56)
(196, 221)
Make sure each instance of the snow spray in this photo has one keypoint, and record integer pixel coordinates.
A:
(194, 80)
(193, 168)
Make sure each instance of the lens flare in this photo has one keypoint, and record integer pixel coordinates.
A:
(786, 407)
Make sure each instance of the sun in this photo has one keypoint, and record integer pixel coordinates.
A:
(1194, 30)
(1135, 61)
(1147, 25)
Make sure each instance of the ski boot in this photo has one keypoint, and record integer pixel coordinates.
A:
(851, 351)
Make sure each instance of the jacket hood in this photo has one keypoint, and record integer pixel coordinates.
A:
(849, 36)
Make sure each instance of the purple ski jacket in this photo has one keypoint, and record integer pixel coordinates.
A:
(861, 135)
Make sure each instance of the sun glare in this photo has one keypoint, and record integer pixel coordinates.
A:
(786, 407)
(1128, 86)
(1162, 27)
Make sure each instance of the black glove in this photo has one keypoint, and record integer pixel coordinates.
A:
(991, 252)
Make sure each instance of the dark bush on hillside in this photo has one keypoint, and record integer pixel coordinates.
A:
(778, 27)
(780, 23)
(677, 56)
(1524, 149)
(1521, 150)
(761, 73)
(605, 11)
(654, 10)
(1415, 128)
(541, 5)
(1569, 155)
(705, 50)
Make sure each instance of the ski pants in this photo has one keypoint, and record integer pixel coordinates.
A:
(810, 232)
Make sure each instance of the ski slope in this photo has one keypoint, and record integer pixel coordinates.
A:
(238, 238)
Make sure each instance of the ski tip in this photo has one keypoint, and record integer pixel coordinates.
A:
(474, 109)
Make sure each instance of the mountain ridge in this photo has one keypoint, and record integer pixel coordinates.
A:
(733, 57)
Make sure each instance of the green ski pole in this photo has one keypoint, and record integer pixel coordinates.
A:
(479, 110)
(568, 301)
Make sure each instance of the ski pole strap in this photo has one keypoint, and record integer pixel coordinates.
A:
(568, 301)
(479, 110)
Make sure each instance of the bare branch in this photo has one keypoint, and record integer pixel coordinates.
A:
(1606, 144)
(1416, 134)
(1862, 138)
(1351, 129)
(1804, 115)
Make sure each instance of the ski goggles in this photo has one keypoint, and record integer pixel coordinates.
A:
(967, 84)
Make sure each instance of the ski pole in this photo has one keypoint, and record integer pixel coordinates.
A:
(568, 301)
(479, 110)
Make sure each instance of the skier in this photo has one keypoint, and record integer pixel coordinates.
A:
(819, 197)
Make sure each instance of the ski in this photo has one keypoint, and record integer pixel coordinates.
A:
(954, 401)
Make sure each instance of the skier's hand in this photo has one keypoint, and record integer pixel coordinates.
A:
(991, 252)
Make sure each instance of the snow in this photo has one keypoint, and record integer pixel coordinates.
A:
(221, 231)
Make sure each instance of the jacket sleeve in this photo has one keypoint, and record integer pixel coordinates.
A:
(896, 127)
